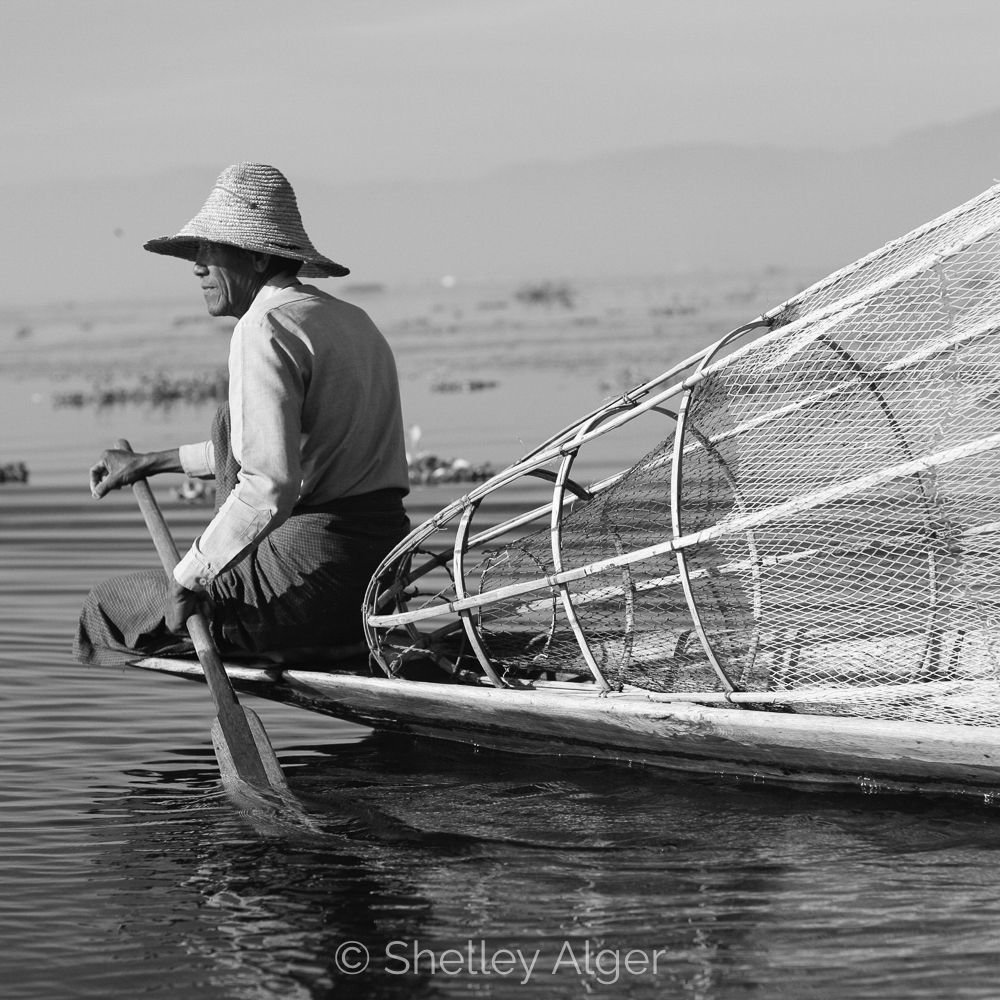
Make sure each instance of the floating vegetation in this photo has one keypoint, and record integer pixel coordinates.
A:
(153, 390)
(471, 385)
(427, 469)
(547, 293)
(23, 332)
(194, 491)
(14, 472)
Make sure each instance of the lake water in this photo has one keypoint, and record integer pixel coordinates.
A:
(126, 871)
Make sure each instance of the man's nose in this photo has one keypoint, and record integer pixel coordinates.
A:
(200, 269)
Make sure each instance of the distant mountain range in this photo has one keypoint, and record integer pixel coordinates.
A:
(671, 208)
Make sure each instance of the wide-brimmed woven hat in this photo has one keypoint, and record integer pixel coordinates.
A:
(251, 206)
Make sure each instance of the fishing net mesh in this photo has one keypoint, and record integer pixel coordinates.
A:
(838, 509)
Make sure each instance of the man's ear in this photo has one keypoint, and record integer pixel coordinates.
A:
(261, 262)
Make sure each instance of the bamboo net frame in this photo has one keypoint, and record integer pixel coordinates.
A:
(820, 529)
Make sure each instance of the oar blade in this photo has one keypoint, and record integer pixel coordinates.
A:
(272, 768)
(273, 810)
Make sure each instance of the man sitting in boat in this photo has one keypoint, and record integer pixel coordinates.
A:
(308, 455)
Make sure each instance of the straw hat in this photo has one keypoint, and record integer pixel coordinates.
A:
(251, 206)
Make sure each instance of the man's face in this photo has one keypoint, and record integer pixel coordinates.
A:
(229, 278)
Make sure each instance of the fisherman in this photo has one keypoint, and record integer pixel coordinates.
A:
(308, 454)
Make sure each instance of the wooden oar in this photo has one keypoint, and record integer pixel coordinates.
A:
(244, 752)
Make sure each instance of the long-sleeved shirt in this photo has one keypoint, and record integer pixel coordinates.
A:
(315, 415)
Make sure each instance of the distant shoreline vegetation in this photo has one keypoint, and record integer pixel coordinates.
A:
(153, 390)
(14, 472)
(469, 385)
(547, 293)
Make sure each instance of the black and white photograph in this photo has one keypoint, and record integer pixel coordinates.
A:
(500, 499)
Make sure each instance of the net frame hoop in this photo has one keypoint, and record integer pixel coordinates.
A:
(872, 382)
(372, 636)
(555, 535)
(458, 577)
(755, 562)
(676, 505)
(420, 641)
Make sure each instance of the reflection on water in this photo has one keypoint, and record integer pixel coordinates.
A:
(737, 891)
(126, 871)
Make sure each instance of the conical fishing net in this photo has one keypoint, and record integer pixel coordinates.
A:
(822, 526)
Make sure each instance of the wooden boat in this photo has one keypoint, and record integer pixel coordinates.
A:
(798, 584)
(798, 750)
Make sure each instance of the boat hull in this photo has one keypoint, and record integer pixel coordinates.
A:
(811, 751)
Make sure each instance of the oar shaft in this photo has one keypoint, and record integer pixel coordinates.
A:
(232, 718)
(158, 530)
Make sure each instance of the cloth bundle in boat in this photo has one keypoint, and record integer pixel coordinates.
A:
(822, 527)
(301, 587)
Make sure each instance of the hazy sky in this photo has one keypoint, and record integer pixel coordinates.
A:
(375, 89)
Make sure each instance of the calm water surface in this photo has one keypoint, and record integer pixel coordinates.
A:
(126, 872)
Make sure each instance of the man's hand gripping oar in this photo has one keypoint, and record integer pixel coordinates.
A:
(246, 757)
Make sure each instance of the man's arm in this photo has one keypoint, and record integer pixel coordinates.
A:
(266, 390)
(115, 469)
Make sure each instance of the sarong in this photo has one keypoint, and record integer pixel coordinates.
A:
(303, 586)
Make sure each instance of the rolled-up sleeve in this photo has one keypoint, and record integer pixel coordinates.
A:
(266, 392)
(198, 460)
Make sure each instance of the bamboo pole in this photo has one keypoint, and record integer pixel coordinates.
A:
(738, 566)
